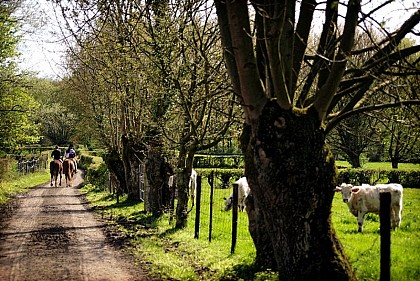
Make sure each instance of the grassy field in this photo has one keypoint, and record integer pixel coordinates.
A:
(364, 248)
(176, 255)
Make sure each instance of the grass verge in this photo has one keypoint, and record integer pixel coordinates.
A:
(169, 253)
(18, 184)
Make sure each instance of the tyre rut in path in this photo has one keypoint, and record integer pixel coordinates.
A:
(51, 236)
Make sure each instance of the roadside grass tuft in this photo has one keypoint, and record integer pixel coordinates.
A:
(21, 183)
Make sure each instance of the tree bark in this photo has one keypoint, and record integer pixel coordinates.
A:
(182, 180)
(292, 174)
(131, 163)
(157, 179)
(185, 165)
(116, 167)
(354, 159)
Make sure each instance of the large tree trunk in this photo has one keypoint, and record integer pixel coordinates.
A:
(394, 162)
(292, 174)
(185, 165)
(182, 180)
(131, 156)
(116, 167)
(265, 254)
(354, 159)
(157, 179)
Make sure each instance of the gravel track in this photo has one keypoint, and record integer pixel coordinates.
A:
(50, 235)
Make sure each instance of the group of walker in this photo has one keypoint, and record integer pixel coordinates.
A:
(70, 153)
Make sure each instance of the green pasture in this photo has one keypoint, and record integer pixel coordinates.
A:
(363, 249)
(176, 255)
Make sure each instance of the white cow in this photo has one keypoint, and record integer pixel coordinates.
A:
(192, 184)
(365, 199)
(243, 191)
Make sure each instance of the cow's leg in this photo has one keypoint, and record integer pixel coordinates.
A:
(360, 220)
(395, 217)
(398, 212)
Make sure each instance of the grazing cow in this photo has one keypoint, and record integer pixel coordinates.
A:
(243, 191)
(192, 184)
(365, 199)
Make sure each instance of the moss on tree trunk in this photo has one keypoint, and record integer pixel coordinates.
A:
(292, 176)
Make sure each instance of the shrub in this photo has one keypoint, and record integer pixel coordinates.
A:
(98, 177)
(225, 175)
(407, 178)
(85, 161)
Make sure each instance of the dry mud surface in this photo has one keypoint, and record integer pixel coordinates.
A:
(48, 234)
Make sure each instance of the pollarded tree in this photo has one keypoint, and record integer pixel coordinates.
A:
(106, 73)
(198, 103)
(288, 165)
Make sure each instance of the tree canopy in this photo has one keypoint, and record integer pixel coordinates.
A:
(17, 105)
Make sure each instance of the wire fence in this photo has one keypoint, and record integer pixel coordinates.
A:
(211, 220)
(27, 166)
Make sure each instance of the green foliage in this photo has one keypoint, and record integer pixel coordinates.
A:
(98, 177)
(17, 105)
(218, 161)
(84, 162)
(226, 176)
(408, 178)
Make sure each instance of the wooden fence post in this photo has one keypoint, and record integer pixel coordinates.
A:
(385, 231)
(197, 207)
(211, 182)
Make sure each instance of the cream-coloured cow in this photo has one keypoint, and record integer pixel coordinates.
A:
(365, 199)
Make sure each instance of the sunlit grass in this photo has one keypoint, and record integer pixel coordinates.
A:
(363, 248)
(178, 256)
(173, 254)
(21, 183)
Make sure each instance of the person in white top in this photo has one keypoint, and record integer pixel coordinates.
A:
(71, 154)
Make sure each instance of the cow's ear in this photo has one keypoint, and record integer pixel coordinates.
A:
(355, 189)
(338, 189)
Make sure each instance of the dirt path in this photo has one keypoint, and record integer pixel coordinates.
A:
(51, 236)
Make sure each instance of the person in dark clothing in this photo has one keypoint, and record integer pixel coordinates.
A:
(56, 154)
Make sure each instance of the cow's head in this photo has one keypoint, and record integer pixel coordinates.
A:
(346, 189)
(228, 203)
